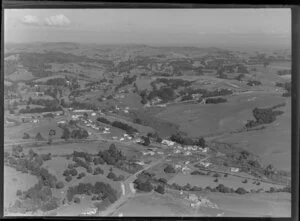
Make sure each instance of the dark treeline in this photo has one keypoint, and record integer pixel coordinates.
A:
(215, 100)
(264, 116)
(187, 141)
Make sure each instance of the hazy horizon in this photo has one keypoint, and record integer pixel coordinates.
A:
(239, 28)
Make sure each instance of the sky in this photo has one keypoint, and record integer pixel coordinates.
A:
(184, 27)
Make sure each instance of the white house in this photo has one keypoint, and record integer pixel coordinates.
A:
(121, 139)
(177, 166)
(160, 153)
(93, 114)
(168, 142)
(187, 153)
(205, 164)
(234, 170)
(82, 111)
(140, 163)
(126, 111)
(177, 151)
(114, 138)
(186, 162)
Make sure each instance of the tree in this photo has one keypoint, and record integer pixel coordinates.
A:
(66, 133)
(146, 141)
(60, 185)
(241, 190)
(39, 137)
(26, 136)
(160, 189)
(169, 169)
(68, 178)
(77, 200)
(200, 142)
(52, 132)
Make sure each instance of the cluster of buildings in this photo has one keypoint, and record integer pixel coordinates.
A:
(125, 110)
(198, 201)
(125, 137)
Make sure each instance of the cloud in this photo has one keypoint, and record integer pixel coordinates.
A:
(57, 21)
(30, 20)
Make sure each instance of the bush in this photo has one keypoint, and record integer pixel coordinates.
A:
(80, 175)
(215, 100)
(19, 193)
(241, 191)
(77, 200)
(98, 160)
(68, 178)
(66, 173)
(60, 185)
(98, 170)
(216, 175)
(103, 120)
(216, 180)
(26, 136)
(226, 175)
(163, 180)
(223, 189)
(112, 176)
(146, 186)
(73, 172)
(169, 169)
(160, 189)
(196, 172)
(71, 166)
(245, 181)
(39, 137)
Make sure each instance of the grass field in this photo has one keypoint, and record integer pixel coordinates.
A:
(154, 204)
(14, 181)
(272, 144)
(230, 181)
(207, 119)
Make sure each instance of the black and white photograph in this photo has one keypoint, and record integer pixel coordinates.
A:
(147, 112)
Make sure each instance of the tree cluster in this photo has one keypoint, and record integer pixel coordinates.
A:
(88, 189)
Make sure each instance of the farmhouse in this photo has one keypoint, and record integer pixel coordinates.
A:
(234, 170)
(168, 142)
(82, 111)
(205, 164)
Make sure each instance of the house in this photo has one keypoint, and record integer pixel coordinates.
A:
(82, 111)
(106, 128)
(193, 197)
(121, 139)
(186, 162)
(189, 147)
(168, 142)
(138, 140)
(35, 121)
(185, 169)
(114, 138)
(93, 114)
(160, 153)
(205, 150)
(140, 163)
(187, 153)
(39, 94)
(177, 151)
(126, 111)
(205, 164)
(234, 170)
(177, 166)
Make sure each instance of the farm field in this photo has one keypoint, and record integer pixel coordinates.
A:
(230, 181)
(15, 180)
(203, 120)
